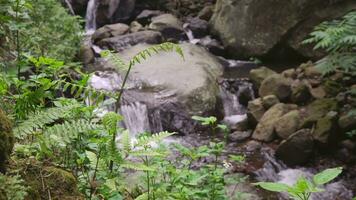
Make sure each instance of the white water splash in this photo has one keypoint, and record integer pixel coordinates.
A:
(90, 18)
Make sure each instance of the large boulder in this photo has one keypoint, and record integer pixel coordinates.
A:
(121, 42)
(255, 111)
(297, 149)
(254, 28)
(276, 85)
(6, 140)
(114, 11)
(288, 124)
(325, 129)
(318, 109)
(172, 89)
(265, 130)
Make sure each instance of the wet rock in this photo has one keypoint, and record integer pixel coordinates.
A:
(245, 95)
(318, 109)
(239, 136)
(297, 149)
(170, 26)
(213, 45)
(114, 11)
(347, 121)
(255, 111)
(258, 75)
(312, 72)
(86, 54)
(300, 92)
(136, 27)
(236, 22)
(318, 92)
(332, 88)
(111, 30)
(265, 130)
(253, 146)
(145, 16)
(6, 140)
(121, 42)
(290, 73)
(199, 27)
(325, 127)
(288, 124)
(276, 85)
(269, 101)
(172, 98)
(206, 13)
(348, 144)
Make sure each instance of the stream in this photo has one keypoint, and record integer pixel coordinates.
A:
(261, 165)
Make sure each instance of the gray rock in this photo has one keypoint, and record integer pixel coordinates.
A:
(255, 111)
(297, 149)
(111, 30)
(300, 92)
(199, 27)
(325, 127)
(258, 75)
(252, 28)
(174, 97)
(206, 13)
(239, 136)
(145, 16)
(86, 54)
(276, 85)
(269, 101)
(121, 42)
(288, 124)
(114, 11)
(265, 130)
(170, 26)
(347, 121)
(136, 27)
(318, 109)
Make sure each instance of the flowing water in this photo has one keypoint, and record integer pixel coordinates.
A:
(90, 18)
(139, 118)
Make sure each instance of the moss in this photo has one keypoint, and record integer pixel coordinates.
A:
(332, 88)
(318, 109)
(6, 140)
(47, 182)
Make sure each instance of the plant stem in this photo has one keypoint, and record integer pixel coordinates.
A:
(117, 106)
(18, 48)
(94, 175)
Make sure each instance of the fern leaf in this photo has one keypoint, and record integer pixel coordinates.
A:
(126, 141)
(146, 140)
(136, 166)
(40, 119)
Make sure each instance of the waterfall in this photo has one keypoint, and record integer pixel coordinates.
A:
(90, 18)
(136, 117)
(69, 5)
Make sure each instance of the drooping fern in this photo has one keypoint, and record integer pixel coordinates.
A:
(40, 119)
(68, 131)
(338, 39)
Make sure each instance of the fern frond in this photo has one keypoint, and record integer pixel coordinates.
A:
(143, 196)
(136, 166)
(149, 153)
(116, 59)
(110, 122)
(40, 119)
(68, 131)
(149, 52)
(126, 141)
(146, 140)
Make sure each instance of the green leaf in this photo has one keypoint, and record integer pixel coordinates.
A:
(274, 187)
(327, 175)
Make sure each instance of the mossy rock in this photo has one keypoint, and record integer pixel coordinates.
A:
(318, 109)
(6, 140)
(332, 88)
(45, 180)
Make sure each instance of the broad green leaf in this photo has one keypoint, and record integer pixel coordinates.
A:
(327, 175)
(274, 187)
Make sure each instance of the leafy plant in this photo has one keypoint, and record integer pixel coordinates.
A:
(303, 188)
(338, 39)
(12, 187)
